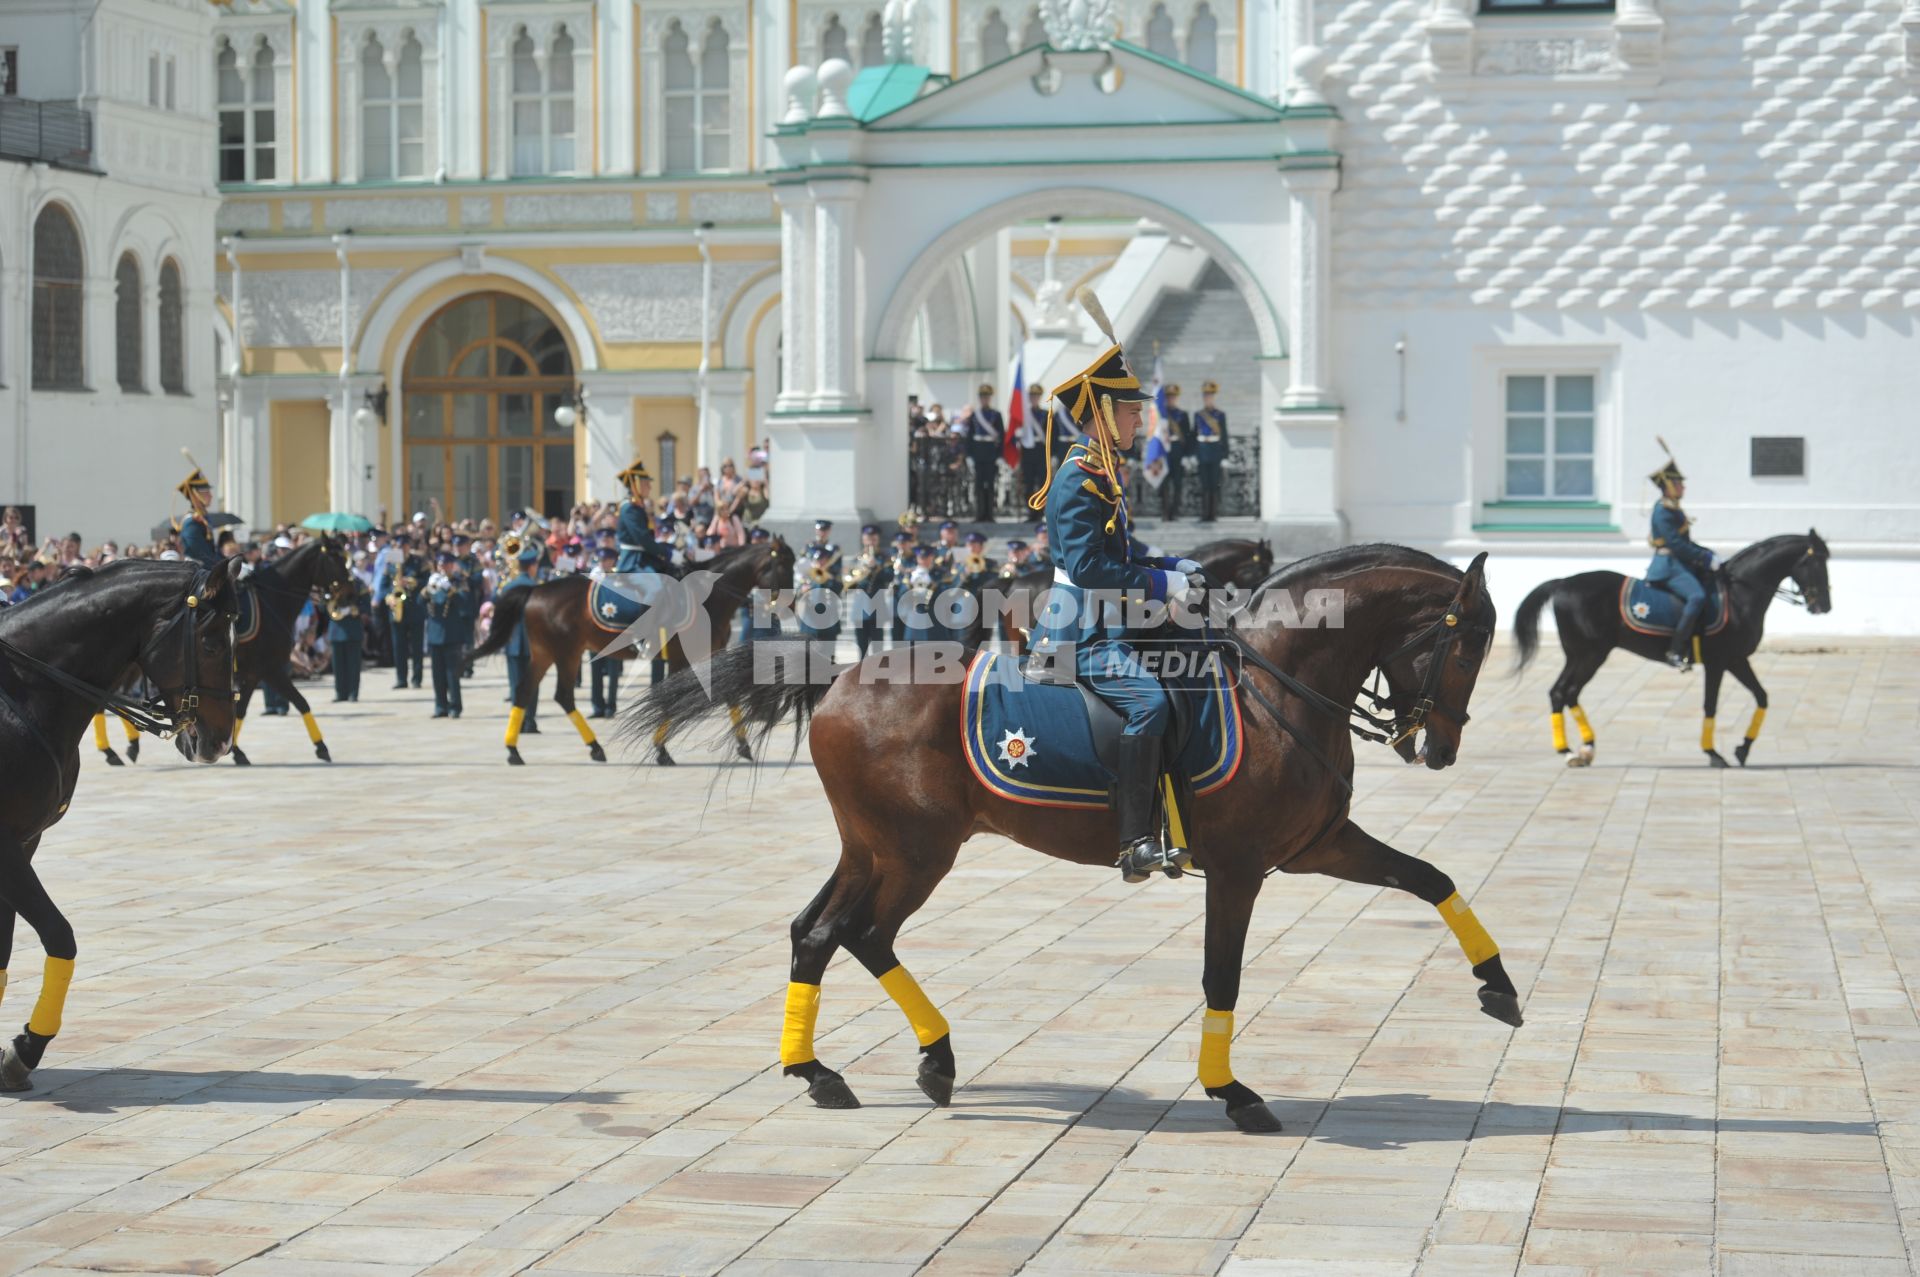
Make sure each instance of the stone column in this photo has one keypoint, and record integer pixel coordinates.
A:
(604, 434)
(1310, 254)
(836, 307)
(796, 308)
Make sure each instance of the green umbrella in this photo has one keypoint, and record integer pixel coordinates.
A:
(337, 521)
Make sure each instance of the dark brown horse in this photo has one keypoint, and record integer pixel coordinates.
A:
(61, 654)
(316, 570)
(1587, 610)
(561, 629)
(1239, 562)
(904, 798)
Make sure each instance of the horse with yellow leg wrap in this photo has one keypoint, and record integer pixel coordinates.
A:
(904, 798)
(60, 654)
(1592, 620)
(317, 569)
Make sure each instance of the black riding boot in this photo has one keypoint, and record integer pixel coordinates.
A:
(1141, 855)
(1680, 649)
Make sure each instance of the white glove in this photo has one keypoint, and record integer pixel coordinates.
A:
(1189, 566)
(1177, 586)
(1713, 561)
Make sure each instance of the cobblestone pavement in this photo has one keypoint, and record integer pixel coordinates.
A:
(421, 1011)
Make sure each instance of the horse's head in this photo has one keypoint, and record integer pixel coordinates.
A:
(1432, 672)
(333, 571)
(1262, 562)
(189, 659)
(1809, 574)
(777, 572)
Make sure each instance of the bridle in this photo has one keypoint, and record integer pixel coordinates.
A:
(1444, 633)
(151, 714)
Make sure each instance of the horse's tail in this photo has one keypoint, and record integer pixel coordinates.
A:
(731, 680)
(1526, 622)
(509, 606)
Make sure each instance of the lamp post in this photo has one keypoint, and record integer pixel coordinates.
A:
(704, 449)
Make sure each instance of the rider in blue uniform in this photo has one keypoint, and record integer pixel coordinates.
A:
(1679, 565)
(196, 538)
(639, 551)
(1095, 550)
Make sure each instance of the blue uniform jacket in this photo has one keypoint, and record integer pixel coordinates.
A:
(1179, 433)
(450, 614)
(639, 552)
(351, 626)
(1670, 525)
(1080, 502)
(517, 641)
(1210, 435)
(196, 541)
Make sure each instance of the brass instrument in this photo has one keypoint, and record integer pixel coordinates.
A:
(819, 573)
(397, 597)
(911, 519)
(976, 564)
(863, 567)
(1009, 570)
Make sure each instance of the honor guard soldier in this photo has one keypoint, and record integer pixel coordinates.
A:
(1033, 443)
(986, 436)
(196, 537)
(1679, 565)
(816, 603)
(450, 612)
(347, 616)
(639, 551)
(1179, 448)
(866, 578)
(523, 557)
(1210, 449)
(1087, 514)
(407, 605)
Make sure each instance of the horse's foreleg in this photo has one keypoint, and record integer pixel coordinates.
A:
(100, 741)
(1714, 674)
(1565, 696)
(292, 693)
(903, 887)
(239, 721)
(22, 892)
(1743, 671)
(133, 741)
(1231, 891)
(524, 696)
(563, 697)
(1354, 855)
(816, 937)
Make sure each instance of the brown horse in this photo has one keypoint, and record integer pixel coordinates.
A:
(904, 798)
(561, 629)
(1239, 562)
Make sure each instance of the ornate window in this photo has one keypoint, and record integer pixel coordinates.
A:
(1203, 40)
(173, 363)
(1550, 436)
(245, 85)
(696, 101)
(58, 296)
(1160, 33)
(545, 129)
(127, 319)
(392, 110)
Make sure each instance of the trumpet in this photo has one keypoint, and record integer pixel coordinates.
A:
(976, 564)
(862, 569)
(819, 573)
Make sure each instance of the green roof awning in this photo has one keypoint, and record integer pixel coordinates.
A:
(880, 89)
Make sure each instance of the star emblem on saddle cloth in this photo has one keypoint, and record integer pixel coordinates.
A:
(607, 610)
(1016, 747)
(1640, 611)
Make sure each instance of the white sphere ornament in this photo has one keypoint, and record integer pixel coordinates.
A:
(801, 85)
(564, 416)
(836, 77)
(365, 419)
(1309, 64)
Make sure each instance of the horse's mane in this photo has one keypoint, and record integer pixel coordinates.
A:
(1760, 549)
(1353, 558)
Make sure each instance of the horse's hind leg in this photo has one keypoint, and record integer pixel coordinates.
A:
(1232, 887)
(904, 886)
(524, 697)
(563, 697)
(101, 743)
(21, 891)
(1743, 671)
(292, 693)
(1708, 711)
(815, 939)
(1354, 855)
(1564, 696)
(239, 721)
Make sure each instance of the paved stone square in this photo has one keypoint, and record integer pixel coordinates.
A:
(417, 1011)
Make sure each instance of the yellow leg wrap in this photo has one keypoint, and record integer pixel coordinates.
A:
(515, 717)
(1473, 938)
(1560, 732)
(100, 733)
(1216, 1047)
(1580, 720)
(1696, 649)
(313, 727)
(133, 733)
(1176, 826)
(739, 717)
(1753, 728)
(238, 723)
(45, 1019)
(579, 722)
(661, 732)
(3, 984)
(796, 1035)
(1706, 733)
(928, 1024)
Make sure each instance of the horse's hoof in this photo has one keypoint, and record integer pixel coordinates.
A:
(1254, 1118)
(113, 759)
(240, 759)
(830, 1091)
(1740, 752)
(14, 1074)
(513, 757)
(320, 752)
(1504, 1007)
(1714, 758)
(936, 1085)
(1582, 759)
(661, 757)
(133, 751)
(596, 753)
(740, 748)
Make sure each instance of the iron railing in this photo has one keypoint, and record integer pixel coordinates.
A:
(58, 133)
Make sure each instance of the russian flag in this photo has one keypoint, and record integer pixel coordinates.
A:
(1016, 413)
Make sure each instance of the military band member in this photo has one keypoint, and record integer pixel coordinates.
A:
(406, 601)
(347, 636)
(816, 602)
(823, 536)
(867, 576)
(1042, 546)
(526, 575)
(899, 568)
(1210, 449)
(1179, 448)
(976, 570)
(449, 630)
(196, 537)
(986, 435)
(947, 549)
(606, 673)
(916, 593)
(1019, 562)
(1679, 565)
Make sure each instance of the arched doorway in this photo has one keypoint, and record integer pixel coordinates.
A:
(481, 385)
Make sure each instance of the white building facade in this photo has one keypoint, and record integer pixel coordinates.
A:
(1477, 254)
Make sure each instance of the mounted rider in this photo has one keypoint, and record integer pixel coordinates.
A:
(639, 551)
(1680, 566)
(1095, 550)
(196, 537)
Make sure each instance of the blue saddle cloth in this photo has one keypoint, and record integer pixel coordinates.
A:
(1032, 743)
(1649, 609)
(612, 609)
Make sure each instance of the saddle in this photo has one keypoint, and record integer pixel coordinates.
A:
(1647, 607)
(247, 627)
(1033, 736)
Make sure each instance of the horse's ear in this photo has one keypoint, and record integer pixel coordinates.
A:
(1473, 585)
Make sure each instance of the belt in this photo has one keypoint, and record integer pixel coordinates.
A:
(1663, 550)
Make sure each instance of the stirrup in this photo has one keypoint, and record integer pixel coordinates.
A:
(1141, 861)
(1680, 661)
